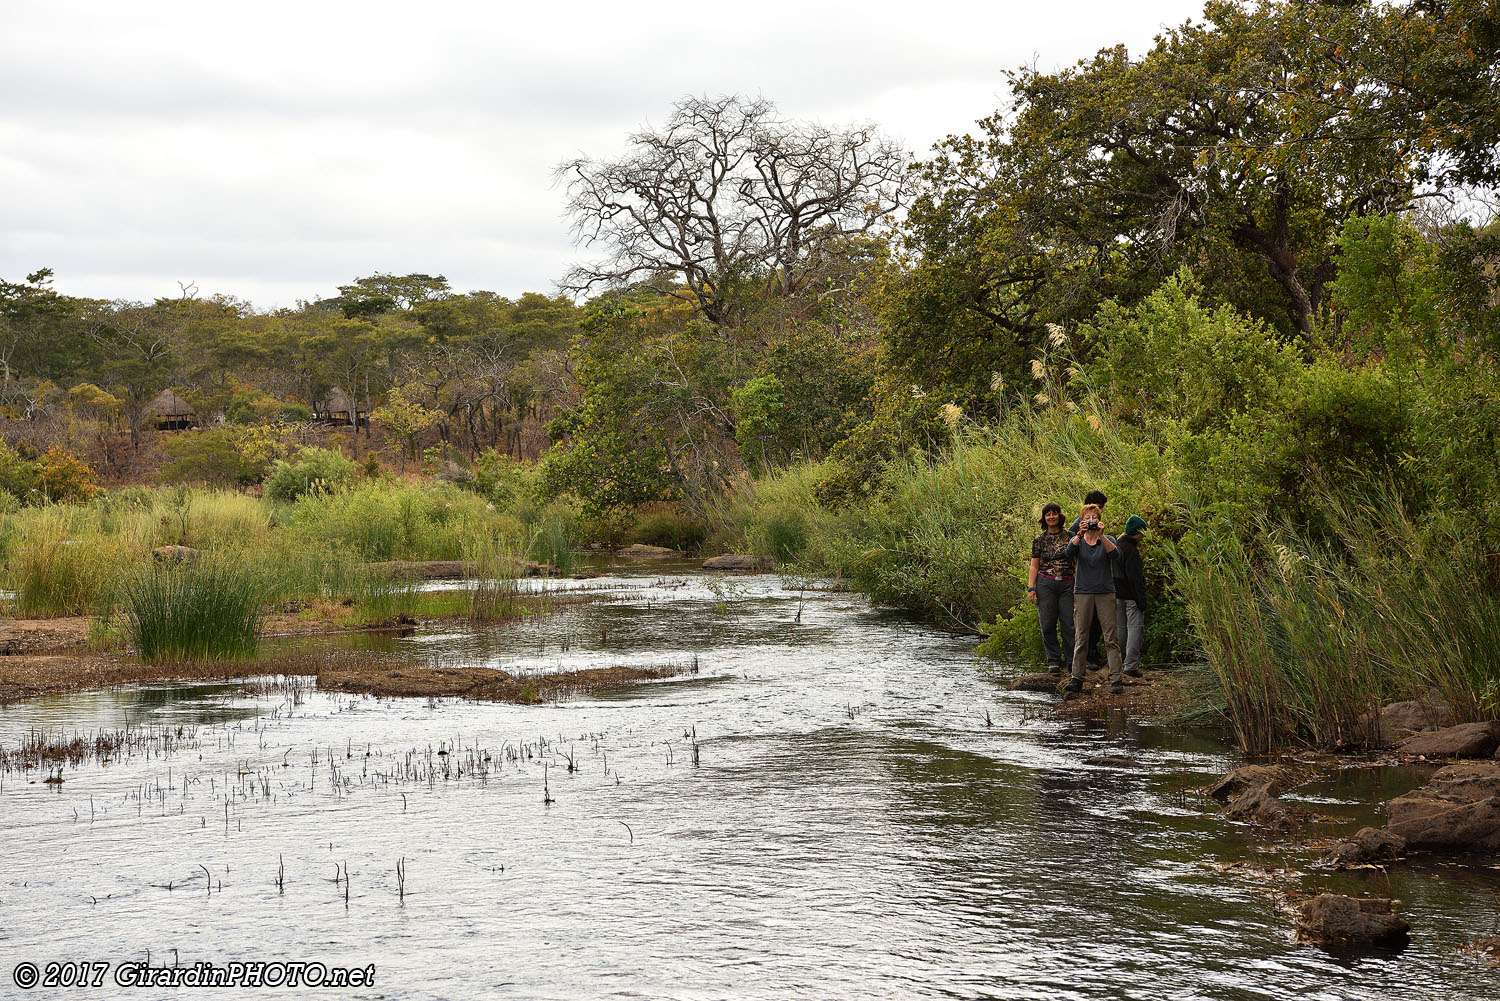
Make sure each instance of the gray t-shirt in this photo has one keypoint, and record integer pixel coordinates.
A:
(1094, 572)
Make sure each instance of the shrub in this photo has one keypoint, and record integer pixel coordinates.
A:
(211, 456)
(314, 471)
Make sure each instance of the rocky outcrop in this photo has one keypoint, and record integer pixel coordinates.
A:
(1035, 683)
(739, 563)
(1252, 791)
(1458, 810)
(174, 554)
(1400, 720)
(640, 552)
(1371, 844)
(1467, 740)
(1332, 919)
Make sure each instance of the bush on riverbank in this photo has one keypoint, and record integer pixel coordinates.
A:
(206, 609)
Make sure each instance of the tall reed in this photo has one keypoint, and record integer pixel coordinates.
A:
(1309, 634)
(209, 609)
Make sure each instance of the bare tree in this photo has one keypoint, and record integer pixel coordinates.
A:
(727, 200)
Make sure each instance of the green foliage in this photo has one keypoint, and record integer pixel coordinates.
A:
(314, 471)
(1170, 357)
(668, 525)
(209, 456)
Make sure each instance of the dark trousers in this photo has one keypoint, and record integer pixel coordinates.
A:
(1054, 607)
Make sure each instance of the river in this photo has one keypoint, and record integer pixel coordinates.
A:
(840, 803)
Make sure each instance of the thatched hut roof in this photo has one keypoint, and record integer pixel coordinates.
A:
(168, 404)
(338, 402)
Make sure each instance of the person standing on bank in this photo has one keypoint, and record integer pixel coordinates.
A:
(1130, 594)
(1092, 497)
(1093, 554)
(1050, 588)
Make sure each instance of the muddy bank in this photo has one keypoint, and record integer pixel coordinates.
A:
(35, 636)
(51, 674)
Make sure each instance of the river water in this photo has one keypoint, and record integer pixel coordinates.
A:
(840, 803)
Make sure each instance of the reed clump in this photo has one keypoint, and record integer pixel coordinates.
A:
(1308, 633)
(204, 610)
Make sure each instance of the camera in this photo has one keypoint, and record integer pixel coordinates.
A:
(1091, 524)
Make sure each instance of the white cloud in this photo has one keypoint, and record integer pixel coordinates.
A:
(278, 150)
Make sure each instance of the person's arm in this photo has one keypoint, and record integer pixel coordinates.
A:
(1073, 548)
(1036, 566)
(1109, 544)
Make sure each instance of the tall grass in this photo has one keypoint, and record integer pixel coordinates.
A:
(55, 565)
(209, 609)
(1308, 635)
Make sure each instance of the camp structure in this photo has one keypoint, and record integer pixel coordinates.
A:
(170, 412)
(337, 407)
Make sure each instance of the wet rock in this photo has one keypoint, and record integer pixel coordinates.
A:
(174, 554)
(1457, 810)
(1113, 761)
(739, 563)
(1333, 919)
(587, 575)
(1276, 779)
(1259, 806)
(640, 552)
(1035, 683)
(533, 569)
(1467, 740)
(1370, 845)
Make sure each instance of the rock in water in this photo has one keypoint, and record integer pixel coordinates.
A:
(638, 552)
(1467, 740)
(1458, 810)
(1277, 779)
(1332, 919)
(739, 563)
(1113, 761)
(1370, 845)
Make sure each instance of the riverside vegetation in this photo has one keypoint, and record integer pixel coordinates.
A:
(1185, 277)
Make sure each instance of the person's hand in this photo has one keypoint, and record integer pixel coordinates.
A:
(1031, 596)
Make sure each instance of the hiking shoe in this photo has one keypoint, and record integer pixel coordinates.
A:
(1054, 669)
(1116, 689)
(1134, 672)
(1073, 685)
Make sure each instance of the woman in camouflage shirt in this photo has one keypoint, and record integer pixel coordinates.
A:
(1050, 587)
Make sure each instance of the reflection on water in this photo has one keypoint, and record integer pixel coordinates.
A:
(852, 827)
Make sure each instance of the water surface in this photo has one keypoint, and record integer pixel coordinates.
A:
(869, 814)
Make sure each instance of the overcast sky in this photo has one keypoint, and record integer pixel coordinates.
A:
(277, 150)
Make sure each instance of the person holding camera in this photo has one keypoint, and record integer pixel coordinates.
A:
(1093, 554)
(1050, 588)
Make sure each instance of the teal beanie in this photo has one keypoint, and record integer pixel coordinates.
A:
(1135, 523)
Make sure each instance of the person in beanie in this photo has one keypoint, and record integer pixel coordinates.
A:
(1050, 588)
(1130, 594)
(1093, 555)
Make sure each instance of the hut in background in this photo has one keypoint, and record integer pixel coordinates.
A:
(339, 408)
(170, 412)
